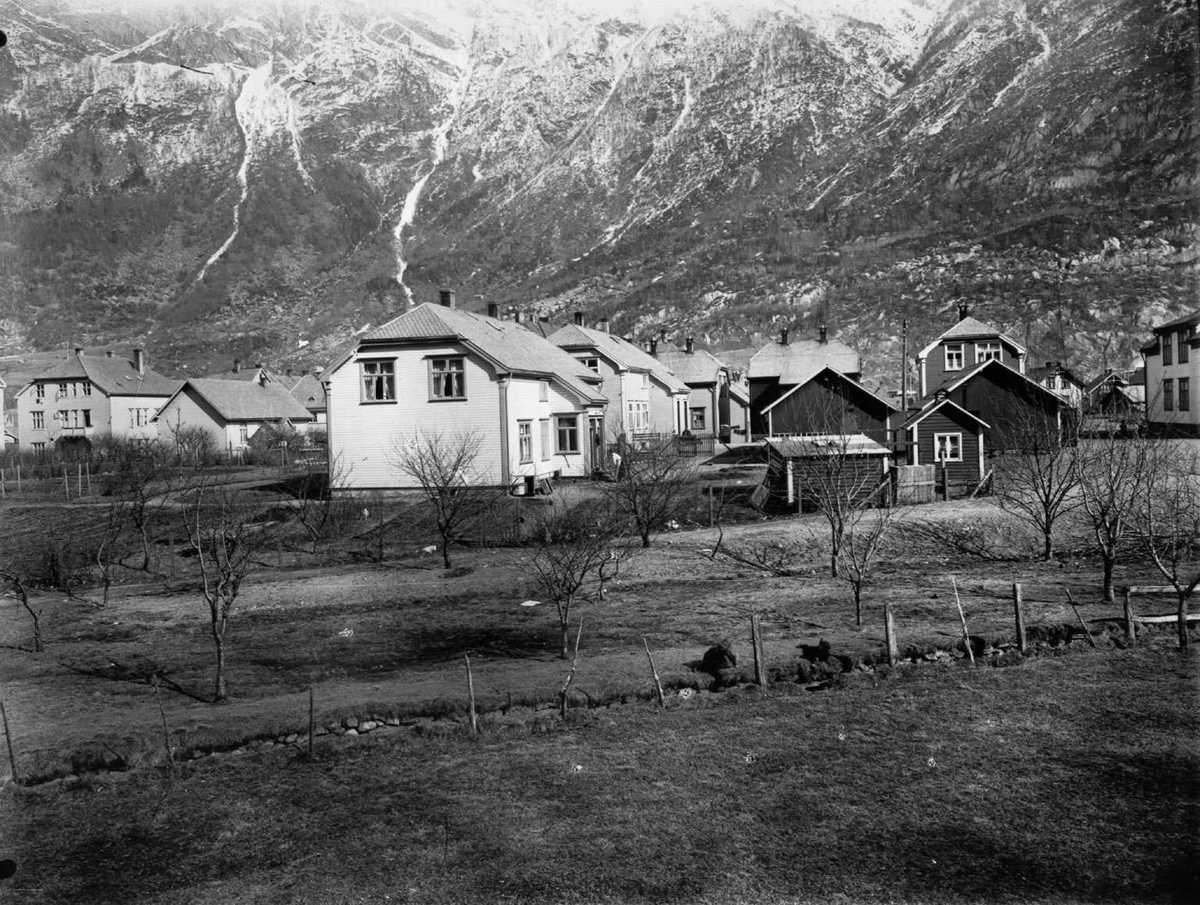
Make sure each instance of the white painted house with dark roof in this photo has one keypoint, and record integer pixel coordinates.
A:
(718, 405)
(440, 370)
(230, 411)
(84, 396)
(644, 396)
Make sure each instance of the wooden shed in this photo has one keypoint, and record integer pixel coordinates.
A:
(801, 469)
(946, 435)
(828, 402)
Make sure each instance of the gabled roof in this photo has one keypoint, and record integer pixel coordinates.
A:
(697, 366)
(1043, 372)
(243, 400)
(1187, 320)
(993, 363)
(827, 445)
(932, 406)
(508, 345)
(115, 376)
(970, 328)
(242, 373)
(622, 353)
(854, 383)
(801, 359)
(310, 393)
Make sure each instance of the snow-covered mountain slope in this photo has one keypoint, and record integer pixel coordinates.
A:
(240, 178)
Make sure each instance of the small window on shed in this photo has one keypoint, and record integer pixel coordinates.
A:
(947, 447)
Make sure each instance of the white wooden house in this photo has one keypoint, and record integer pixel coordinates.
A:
(231, 412)
(437, 370)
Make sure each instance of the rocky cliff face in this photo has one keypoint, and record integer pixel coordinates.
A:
(263, 179)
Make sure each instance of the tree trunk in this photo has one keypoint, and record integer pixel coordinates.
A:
(220, 691)
(1048, 545)
(445, 552)
(858, 604)
(645, 533)
(1109, 596)
(1183, 625)
(563, 642)
(833, 564)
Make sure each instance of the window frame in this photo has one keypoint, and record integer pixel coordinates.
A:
(39, 393)
(988, 348)
(637, 411)
(388, 378)
(1168, 394)
(433, 377)
(1182, 352)
(244, 434)
(591, 362)
(693, 411)
(956, 436)
(959, 350)
(1183, 395)
(568, 424)
(39, 419)
(525, 441)
(1168, 350)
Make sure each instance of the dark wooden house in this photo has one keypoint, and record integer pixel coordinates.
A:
(964, 347)
(779, 366)
(829, 402)
(798, 468)
(1019, 411)
(948, 436)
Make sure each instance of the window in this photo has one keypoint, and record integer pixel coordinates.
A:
(568, 433)
(39, 420)
(697, 419)
(989, 351)
(39, 392)
(1183, 346)
(447, 378)
(1166, 350)
(954, 357)
(243, 433)
(62, 390)
(86, 388)
(947, 447)
(1185, 394)
(637, 416)
(87, 417)
(378, 381)
(525, 440)
(39, 448)
(139, 417)
(547, 448)
(1168, 394)
(591, 363)
(645, 381)
(543, 391)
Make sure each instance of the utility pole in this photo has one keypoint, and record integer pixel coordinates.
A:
(904, 365)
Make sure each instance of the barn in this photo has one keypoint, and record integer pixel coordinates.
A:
(803, 470)
(945, 434)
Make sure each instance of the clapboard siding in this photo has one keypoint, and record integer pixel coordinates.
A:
(933, 368)
(830, 405)
(1015, 409)
(921, 450)
(859, 475)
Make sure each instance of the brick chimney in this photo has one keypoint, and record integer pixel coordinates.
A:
(689, 347)
(822, 334)
(963, 311)
(783, 337)
(604, 324)
(493, 310)
(446, 298)
(139, 361)
(578, 318)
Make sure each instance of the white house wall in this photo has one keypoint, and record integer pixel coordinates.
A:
(120, 408)
(524, 405)
(182, 413)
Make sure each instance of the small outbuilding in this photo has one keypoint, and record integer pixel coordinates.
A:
(946, 435)
(803, 470)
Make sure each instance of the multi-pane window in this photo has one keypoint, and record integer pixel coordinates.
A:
(244, 433)
(85, 388)
(989, 351)
(547, 445)
(1185, 394)
(1167, 349)
(954, 356)
(62, 390)
(75, 418)
(39, 392)
(447, 378)
(1168, 395)
(947, 447)
(568, 433)
(1184, 336)
(697, 419)
(39, 420)
(378, 380)
(39, 448)
(525, 440)
(591, 362)
(139, 417)
(638, 416)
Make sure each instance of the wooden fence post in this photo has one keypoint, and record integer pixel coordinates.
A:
(1019, 616)
(78, 479)
(760, 666)
(12, 758)
(654, 672)
(87, 470)
(963, 618)
(66, 484)
(945, 480)
(889, 635)
(1130, 628)
(1083, 625)
(471, 696)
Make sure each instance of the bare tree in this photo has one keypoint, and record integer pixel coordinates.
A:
(575, 560)
(13, 586)
(1112, 473)
(226, 546)
(1039, 479)
(866, 531)
(1169, 522)
(653, 482)
(318, 511)
(444, 468)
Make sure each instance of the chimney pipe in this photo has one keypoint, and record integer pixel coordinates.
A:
(604, 324)
(783, 337)
(139, 361)
(516, 315)
(578, 318)
(662, 336)
(494, 310)
(823, 334)
(108, 353)
(689, 346)
(446, 297)
(963, 311)
(78, 351)
(237, 366)
(654, 347)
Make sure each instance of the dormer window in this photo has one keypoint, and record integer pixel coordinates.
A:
(989, 351)
(954, 356)
(591, 362)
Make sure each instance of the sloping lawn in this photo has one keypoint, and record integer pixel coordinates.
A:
(1069, 779)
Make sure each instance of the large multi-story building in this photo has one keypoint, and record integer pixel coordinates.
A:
(1172, 374)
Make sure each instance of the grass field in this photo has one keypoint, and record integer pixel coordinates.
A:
(1067, 780)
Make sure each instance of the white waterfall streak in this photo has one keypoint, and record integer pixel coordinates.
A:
(249, 111)
(294, 132)
(1042, 57)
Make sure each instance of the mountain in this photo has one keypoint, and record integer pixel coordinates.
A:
(262, 179)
